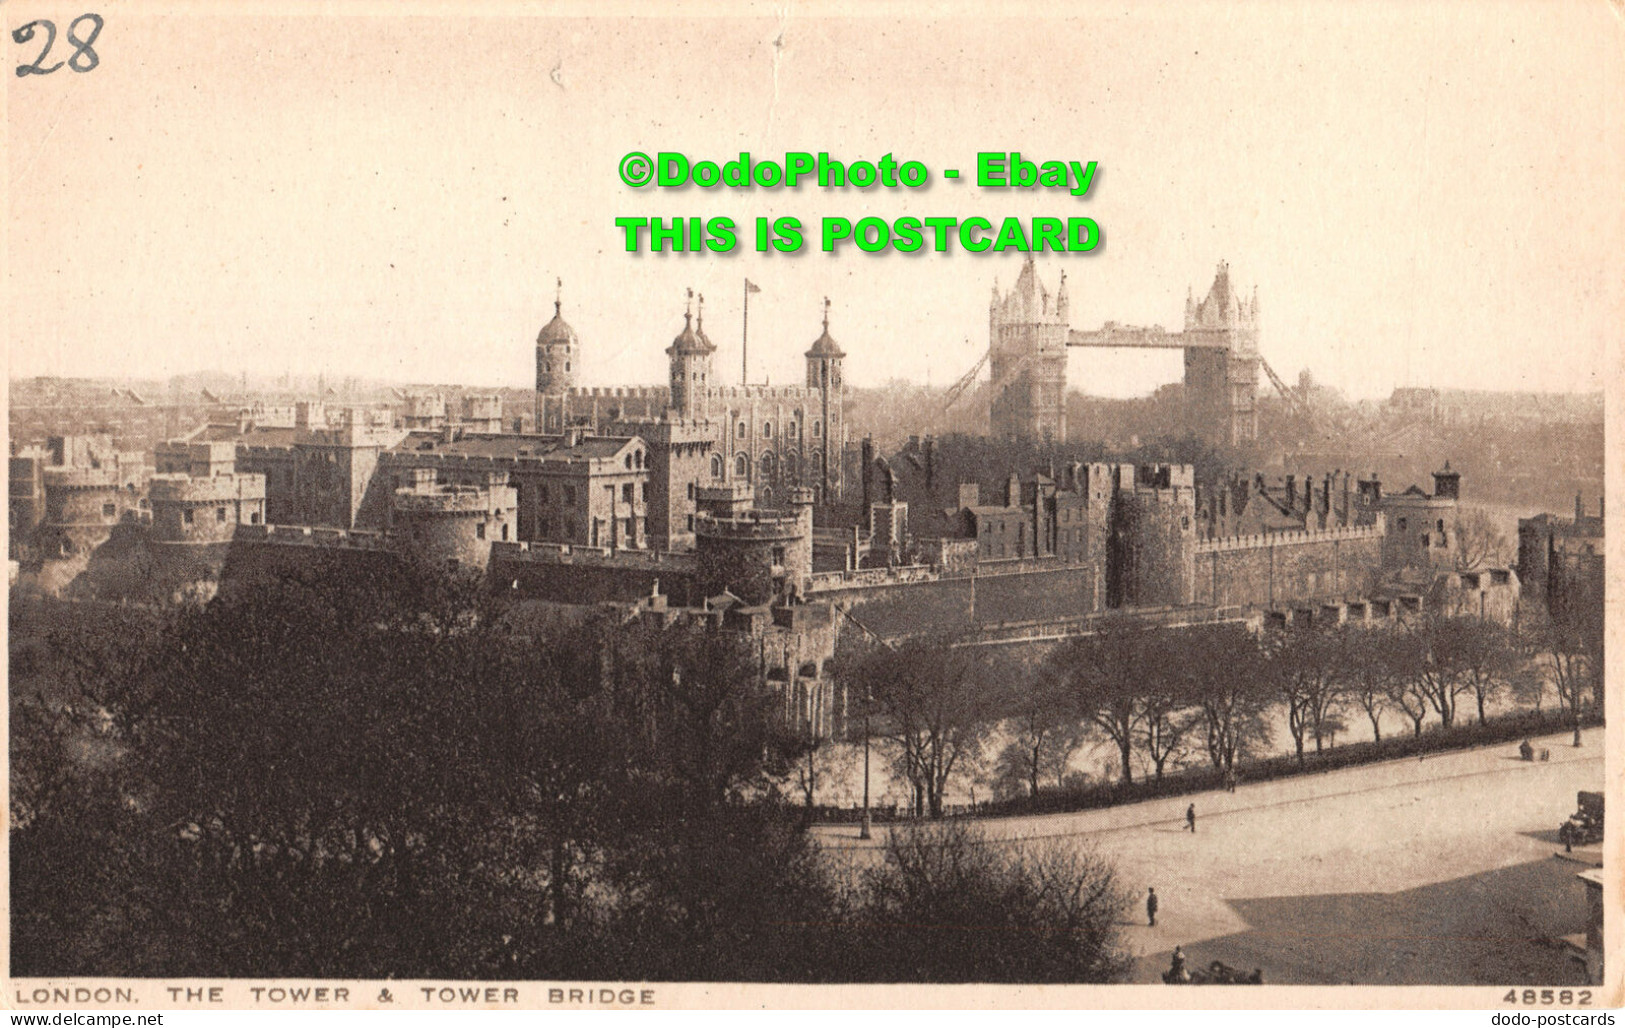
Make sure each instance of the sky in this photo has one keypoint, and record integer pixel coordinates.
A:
(1423, 194)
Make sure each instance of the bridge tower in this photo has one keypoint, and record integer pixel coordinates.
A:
(1027, 330)
(1221, 367)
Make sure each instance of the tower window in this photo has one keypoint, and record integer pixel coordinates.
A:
(566, 366)
(741, 431)
(716, 465)
(818, 429)
(767, 430)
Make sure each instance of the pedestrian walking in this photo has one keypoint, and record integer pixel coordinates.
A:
(1151, 905)
(1190, 818)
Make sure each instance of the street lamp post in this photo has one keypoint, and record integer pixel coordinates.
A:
(864, 831)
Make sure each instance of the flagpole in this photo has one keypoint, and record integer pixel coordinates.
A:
(744, 341)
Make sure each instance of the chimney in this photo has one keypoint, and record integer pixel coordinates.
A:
(1599, 508)
(970, 495)
(867, 477)
(1012, 490)
(1579, 507)
(1292, 492)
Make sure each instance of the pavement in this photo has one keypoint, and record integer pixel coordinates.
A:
(1440, 871)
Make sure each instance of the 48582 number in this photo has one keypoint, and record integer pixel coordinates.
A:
(1548, 997)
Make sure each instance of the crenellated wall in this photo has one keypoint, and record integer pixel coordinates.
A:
(1287, 567)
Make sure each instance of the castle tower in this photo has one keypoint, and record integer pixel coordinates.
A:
(824, 374)
(1221, 370)
(558, 357)
(690, 355)
(1027, 331)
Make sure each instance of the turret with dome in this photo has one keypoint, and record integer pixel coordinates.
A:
(690, 355)
(558, 359)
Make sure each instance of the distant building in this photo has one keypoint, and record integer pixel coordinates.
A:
(89, 488)
(1562, 558)
(703, 433)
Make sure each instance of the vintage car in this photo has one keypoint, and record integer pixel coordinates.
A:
(1584, 826)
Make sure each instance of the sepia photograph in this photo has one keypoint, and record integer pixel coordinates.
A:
(560, 506)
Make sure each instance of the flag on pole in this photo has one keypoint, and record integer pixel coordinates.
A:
(751, 287)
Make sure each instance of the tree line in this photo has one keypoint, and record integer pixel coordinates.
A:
(340, 776)
(1206, 695)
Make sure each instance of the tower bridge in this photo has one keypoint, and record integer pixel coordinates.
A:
(1029, 335)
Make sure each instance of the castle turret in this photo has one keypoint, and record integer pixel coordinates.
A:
(1028, 330)
(690, 355)
(1222, 362)
(1447, 483)
(824, 374)
(558, 358)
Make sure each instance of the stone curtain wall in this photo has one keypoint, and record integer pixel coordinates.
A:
(1276, 570)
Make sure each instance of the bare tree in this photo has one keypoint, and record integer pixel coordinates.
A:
(932, 701)
(1371, 670)
(1305, 672)
(1102, 676)
(1487, 657)
(1169, 711)
(1229, 686)
(1440, 671)
(1567, 637)
(1480, 542)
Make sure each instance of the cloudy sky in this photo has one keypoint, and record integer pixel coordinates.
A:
(1422, 193)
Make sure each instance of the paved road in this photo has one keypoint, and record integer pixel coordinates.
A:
(1437, 871)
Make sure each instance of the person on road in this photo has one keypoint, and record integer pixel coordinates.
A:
(1190, 818)
(1151, 905)
(1177, 972)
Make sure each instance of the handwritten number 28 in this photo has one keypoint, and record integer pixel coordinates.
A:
(81, 60)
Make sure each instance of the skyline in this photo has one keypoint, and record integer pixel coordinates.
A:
(1434, 203)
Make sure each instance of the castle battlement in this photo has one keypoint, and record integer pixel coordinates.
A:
(496, 466)
(178, 488)
(1268, 539)
(906, 574)
(749, 525)
(455, 500)
(601, 556)
(763, 392)
(303, 535)
(662, 393)
(81, 478)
